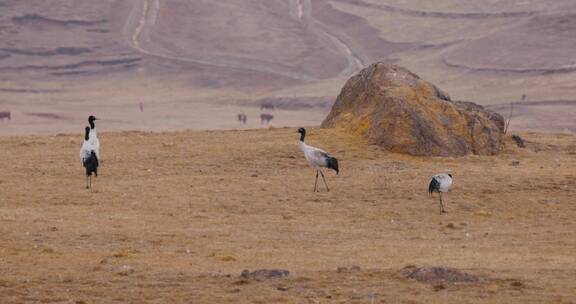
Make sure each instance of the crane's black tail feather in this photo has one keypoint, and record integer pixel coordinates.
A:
(332, 163)
(91, 164)
(434, 186)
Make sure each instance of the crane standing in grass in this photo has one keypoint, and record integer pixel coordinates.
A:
(89, 158)
(440, 183)
(317, 158)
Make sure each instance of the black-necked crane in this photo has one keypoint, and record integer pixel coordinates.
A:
(440, 183)
(317, 158)
(89, 158)
(93, 137)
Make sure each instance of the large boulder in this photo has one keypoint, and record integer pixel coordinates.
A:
(395, 109)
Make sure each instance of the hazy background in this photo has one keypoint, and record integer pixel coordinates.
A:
(197, 64)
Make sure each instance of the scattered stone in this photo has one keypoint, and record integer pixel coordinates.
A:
(265, 274)
(515, 163)
(558, 163)
(119, 254)
(241, 282)
(67, 279)
(48, 250)
(350, 269)
(227, 258)
(519, 141)
(395, 109)
(483, 213)
(451, 226)
(517, 284)
(283, 288)
(438, 275)
(125, 270)
(438, 287)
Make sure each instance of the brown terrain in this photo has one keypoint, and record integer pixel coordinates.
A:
(176, 217)
(197, 64)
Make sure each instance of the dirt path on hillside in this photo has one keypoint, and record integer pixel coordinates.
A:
(354, 62)
(144, 16)
(564, 69)
(442, 15)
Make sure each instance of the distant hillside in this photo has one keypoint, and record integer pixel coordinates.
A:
(69, 57)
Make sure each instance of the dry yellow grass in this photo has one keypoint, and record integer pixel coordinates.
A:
(175, 217)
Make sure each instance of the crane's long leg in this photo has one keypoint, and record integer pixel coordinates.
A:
(316, 182)
(87, 182)
(441, 204)
(324, 179)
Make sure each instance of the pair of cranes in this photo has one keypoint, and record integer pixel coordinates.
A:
(317, 158)
(90, 151)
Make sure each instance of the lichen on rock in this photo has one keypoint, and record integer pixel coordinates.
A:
(397, 110)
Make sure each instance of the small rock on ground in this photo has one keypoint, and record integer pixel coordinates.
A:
(265, 274)
(435, 275)
(519, 141)
(350, 269)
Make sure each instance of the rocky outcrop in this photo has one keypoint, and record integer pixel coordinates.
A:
(395, 109)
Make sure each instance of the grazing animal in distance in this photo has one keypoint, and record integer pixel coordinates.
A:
(266, 118)
(94, 141)
(5, 115)
(317, 158)
(242, 118)
(266, 106)
(89, 158)
(440, 183)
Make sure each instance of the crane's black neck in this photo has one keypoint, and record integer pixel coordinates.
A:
(92, 126)
(302, 135)
(87, 134)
